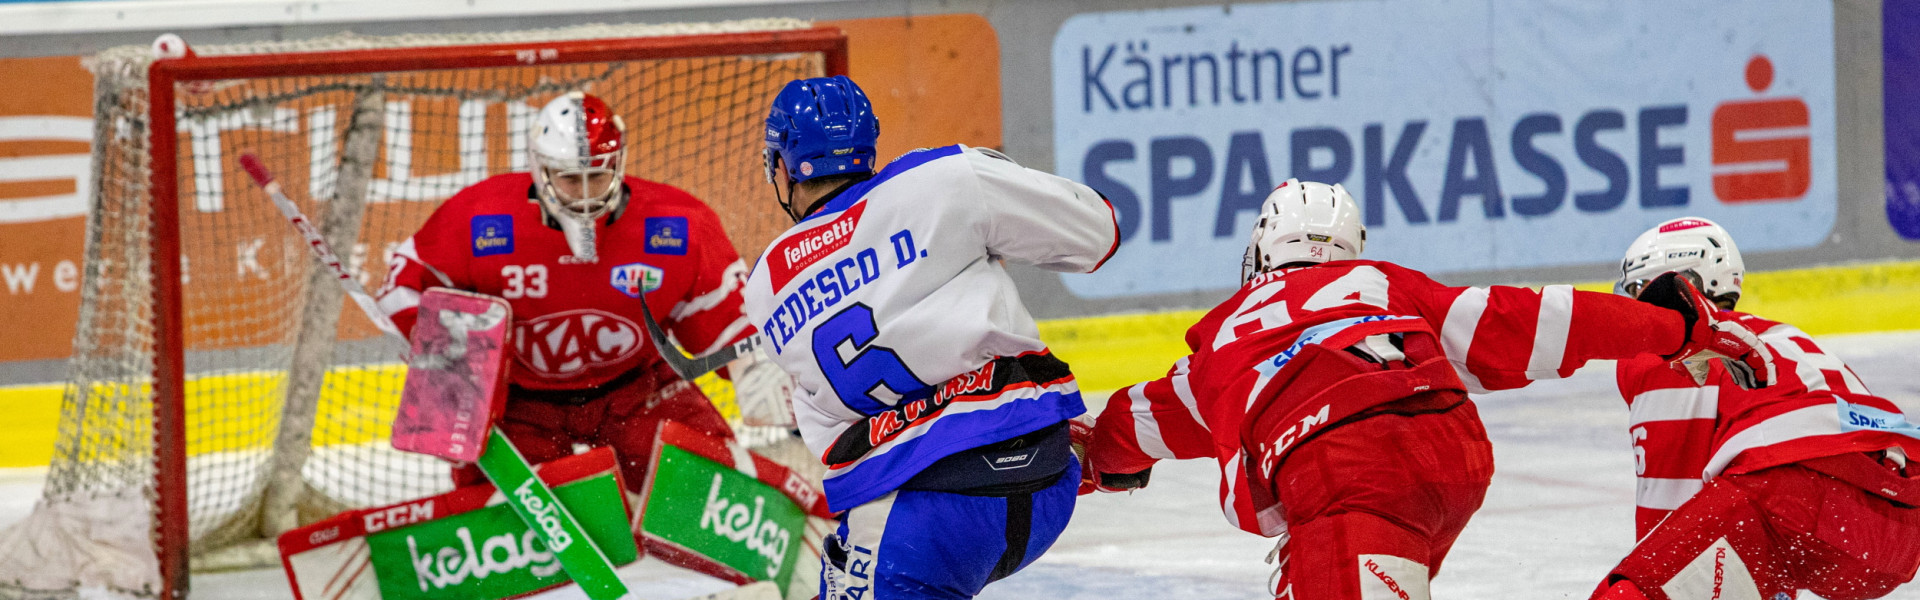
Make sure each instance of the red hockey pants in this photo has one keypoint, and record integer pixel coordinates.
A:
(1780, 530)
(627, 418)
(1374, 504)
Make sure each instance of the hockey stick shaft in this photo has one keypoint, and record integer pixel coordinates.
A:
(530, 498)
(501, 461)
(684, 364)
(318, 245)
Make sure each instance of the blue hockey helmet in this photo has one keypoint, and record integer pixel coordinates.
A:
(819, 127)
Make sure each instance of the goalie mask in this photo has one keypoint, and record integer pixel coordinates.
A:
(1691, 246)
(578, 152)
(1307, 222)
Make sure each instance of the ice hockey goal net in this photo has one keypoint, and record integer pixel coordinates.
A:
(221, 392)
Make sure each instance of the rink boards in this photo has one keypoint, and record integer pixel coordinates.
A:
(1106, 353)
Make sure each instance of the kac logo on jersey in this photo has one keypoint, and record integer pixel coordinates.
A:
(566, 343)
(636, 278)
(492, 234)
(667, 235)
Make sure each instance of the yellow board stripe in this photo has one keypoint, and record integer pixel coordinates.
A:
(1106, 352)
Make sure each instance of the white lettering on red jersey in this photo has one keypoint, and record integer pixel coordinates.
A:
(1685, 434)
(578, 325)
(1494, 338)
(897, 286)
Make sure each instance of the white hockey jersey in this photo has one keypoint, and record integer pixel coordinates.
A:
(893, 311)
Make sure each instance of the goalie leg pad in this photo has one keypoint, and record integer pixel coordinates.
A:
(926, 544)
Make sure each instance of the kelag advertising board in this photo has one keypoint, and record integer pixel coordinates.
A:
(1477, 135)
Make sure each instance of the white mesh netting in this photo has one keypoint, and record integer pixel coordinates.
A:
(290, 392)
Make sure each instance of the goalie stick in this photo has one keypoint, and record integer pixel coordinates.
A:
(500, 460)
(322, 251)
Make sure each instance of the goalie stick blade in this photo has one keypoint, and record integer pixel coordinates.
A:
(456, 382)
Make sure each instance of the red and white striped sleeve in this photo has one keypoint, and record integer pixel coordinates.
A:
(1149, 422)
(711, 316)
(433, 257)
(1502, 337)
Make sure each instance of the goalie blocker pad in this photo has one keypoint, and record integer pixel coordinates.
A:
(467, 543)
(457, 379)
(712, 506)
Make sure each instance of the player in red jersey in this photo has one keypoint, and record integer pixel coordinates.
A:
(572, 246)
(1803, 485)
(1332, 391)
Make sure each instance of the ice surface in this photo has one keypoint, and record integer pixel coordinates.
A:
(1559, 515)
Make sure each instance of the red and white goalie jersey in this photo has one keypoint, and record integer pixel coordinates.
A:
(578, 325)
(1686, 434)
(1266, 366)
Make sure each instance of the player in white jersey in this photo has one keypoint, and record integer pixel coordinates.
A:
(922, 382)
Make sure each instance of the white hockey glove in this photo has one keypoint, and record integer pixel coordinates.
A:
(762, 389)
(1709, 337)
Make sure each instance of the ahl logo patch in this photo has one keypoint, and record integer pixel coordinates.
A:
(492, 234)
(636, 278)
(667, 235)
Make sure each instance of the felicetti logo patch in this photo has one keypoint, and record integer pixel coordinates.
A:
(667, 235)
(797, 252)
(492, 234)
(634, 279)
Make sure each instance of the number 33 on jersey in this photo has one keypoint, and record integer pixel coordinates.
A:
(577, 323)
(895, 288)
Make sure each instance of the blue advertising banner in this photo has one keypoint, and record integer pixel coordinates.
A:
(1477, 135)
(1900, 73)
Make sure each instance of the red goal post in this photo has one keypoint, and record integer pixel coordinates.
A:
(138, 315)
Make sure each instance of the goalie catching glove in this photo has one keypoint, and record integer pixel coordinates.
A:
(1745, 357)
(1080, 429)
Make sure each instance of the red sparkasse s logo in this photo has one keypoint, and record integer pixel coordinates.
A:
(799, 251)
(566, 343)
(1762, 148)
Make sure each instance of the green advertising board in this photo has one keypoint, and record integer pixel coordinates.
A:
(742, 522)
(490, 552)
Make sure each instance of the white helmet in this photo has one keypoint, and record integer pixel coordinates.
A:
(1689, 245)
(578, 151)
(1304, 222)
